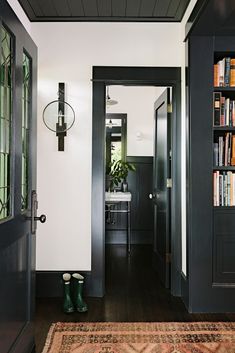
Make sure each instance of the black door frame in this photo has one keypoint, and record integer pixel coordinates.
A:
(132, 76)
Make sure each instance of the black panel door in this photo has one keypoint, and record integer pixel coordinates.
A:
(18, 70)
(161, 187)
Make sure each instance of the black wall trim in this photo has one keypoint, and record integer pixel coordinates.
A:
(50, 283)
(145, 76)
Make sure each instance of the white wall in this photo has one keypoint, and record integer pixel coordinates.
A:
(138, 104)
(64, 178)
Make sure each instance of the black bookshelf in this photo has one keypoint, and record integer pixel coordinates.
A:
(209, 285)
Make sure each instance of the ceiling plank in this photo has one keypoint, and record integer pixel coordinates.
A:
(147, 8)
(119, 8)
(90, 7)
(48, 8)
(26, 5)
(62, 8)
(132, 8)
(76, 8)
(161, 8)
(104, 7)
(36, 7)
(181, 9)
(173, 8)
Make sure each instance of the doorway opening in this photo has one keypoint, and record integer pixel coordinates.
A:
(137, 189)
(128, 76)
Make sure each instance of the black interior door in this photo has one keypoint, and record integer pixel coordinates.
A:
(18, 70)
(162, 187)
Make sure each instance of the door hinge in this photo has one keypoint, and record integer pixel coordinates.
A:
(168, 257)
(169, 108)
(169, 183)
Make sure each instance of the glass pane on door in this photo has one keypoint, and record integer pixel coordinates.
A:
(5, 123)
(26, 101)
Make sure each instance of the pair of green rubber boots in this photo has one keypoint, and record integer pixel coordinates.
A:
(73, 286)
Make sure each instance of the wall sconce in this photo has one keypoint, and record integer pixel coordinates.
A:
(59, 116)
(139, 136)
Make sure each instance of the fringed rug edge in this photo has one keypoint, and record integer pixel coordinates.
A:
(49, 336)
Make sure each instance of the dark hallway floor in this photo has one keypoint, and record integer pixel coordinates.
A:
(133, 293)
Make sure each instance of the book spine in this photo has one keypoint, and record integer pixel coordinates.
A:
(220, 151)
(217, 188)
(233, 151)
(216, 154)
(233, 113)
(217, 108)
(221, 72)
(229, 188)
(229, 148)
(216, 75)
(230, 113)
(222, 116)
(233, 189)
(214, 189)
(226, 150)
(227, 72)
(232, 73)
(224, 189)
(227, 108)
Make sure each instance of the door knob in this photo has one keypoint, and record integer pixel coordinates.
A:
(33, 217)
(42, 218)
(152, 196)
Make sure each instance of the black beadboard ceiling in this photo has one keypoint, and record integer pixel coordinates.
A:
(105, 10)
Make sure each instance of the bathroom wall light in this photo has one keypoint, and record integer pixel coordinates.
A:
(59, 116)
(139, 136)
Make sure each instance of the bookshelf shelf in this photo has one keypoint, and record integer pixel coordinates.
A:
(224, 208)
(224, 128)
(224, 89)
(231, 168)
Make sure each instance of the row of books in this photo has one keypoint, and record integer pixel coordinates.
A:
(224, 150)
(224, 73)
(223, 188)
(224, 110)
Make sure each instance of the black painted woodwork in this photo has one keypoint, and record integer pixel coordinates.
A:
(212, 18)
(161, 194)
(133, 294)
(210, 282)
(140, 185)
(49, 284)
(105, 10)
(17, 244)
(136, 76)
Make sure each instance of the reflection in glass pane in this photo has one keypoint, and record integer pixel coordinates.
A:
(5, 123)
(26, 98)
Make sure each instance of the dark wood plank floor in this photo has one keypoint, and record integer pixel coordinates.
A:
(133, 293)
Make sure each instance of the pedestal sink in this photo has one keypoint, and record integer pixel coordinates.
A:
(117, 196)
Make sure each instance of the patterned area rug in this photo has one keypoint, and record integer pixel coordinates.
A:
(197, 337)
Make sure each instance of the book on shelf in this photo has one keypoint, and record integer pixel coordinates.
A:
(223, 188)
(224, 110)
(224, 73)
(224, 150)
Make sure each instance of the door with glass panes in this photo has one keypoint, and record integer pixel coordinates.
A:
(18, 70)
